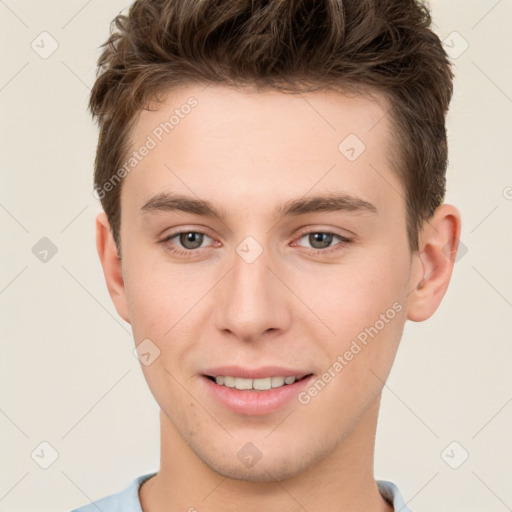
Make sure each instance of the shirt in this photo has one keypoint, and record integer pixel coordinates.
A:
(127, 500)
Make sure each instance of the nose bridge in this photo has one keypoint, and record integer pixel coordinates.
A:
(251, 302)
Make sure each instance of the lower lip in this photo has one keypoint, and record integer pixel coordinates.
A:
(255, 403)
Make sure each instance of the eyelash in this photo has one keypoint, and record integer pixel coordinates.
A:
(344, 241)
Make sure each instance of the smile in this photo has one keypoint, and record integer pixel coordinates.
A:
(263, 384)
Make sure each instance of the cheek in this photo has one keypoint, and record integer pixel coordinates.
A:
(160, 295)
(359, 359)
(167, 305)
(149, 314)
(364, 307)
(353, 295)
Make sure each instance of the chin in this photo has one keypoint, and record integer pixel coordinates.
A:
(271, 465)
(261, 472)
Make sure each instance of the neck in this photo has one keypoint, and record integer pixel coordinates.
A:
(342, 481)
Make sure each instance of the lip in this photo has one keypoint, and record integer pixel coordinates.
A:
(255, 403)
(257, 373)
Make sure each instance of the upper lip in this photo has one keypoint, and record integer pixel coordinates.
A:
(255, 373)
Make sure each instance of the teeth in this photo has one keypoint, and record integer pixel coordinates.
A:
(262, 384)
(243, 383)
(277, 381)
(257, 384)
(229, 382)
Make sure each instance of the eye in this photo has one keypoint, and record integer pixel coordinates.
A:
(321, 241)
(191, 241)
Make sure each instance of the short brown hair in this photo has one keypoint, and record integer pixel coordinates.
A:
(383, 46)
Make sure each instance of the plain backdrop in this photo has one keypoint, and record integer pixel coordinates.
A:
(69, 378)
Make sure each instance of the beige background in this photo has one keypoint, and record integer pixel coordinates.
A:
(68, 374)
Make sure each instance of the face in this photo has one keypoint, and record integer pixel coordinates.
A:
(269, 280)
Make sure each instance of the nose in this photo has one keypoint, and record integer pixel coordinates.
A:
(252, 300)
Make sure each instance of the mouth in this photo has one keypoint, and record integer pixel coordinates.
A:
(264, 393)
(261, 384)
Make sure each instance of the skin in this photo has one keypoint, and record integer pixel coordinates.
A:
(247, 153)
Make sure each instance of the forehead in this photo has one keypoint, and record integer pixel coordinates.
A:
(217, 139)
(212, 112)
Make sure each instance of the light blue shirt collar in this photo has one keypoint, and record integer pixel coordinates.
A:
(127, 500)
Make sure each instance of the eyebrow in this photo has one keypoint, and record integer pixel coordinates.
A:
(168, 202)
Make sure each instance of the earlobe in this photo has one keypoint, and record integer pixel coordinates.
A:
(112, 266)
(436, 256)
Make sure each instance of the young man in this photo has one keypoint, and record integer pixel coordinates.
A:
(272, 175)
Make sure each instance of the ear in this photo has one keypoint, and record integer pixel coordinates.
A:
(111, 264)
(438, 246)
